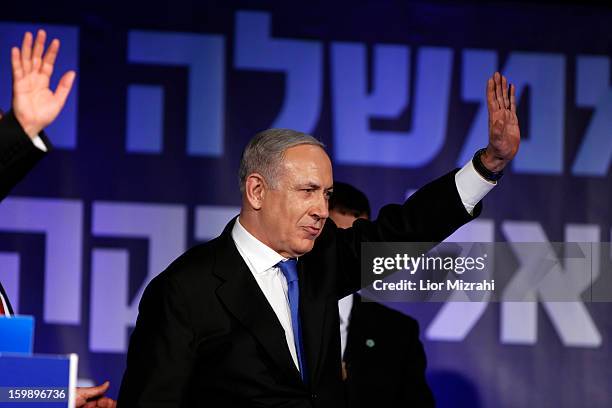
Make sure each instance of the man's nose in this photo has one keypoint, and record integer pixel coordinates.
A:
(321, 210)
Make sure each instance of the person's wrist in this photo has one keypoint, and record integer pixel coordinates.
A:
(32, 132)
(491, 162)
(29, 129)
(488, 166)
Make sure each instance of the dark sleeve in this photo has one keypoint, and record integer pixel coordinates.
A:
(160, 356)
(18, 155)
(430, 215)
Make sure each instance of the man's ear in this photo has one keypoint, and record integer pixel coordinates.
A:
(255, 190)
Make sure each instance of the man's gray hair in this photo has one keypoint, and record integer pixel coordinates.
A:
(265, 152)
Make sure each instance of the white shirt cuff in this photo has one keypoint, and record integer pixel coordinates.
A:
(472, 187)
(38, 142)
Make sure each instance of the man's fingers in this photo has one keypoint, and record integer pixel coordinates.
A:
(505, 92)
(39, 46)
(498, 90)
(491, 100)
(16, 63)
(92, 392)
(50, 56)
(101, 403)
(106, 403)
(512, 98)
(26, 53)
(63, 88)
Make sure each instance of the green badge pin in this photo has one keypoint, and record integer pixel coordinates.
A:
(370, 343)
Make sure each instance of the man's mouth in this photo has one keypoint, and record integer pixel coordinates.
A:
(311, 230)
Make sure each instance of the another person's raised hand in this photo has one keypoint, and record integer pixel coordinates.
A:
(35, 105)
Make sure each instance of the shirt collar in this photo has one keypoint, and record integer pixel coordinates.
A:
(260, 256)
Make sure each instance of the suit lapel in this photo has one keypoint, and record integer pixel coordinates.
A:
(312, 314)
(242, 296)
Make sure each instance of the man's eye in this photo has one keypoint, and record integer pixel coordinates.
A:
(308, 190)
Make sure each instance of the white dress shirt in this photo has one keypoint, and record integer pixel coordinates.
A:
(38, 142)
(345, 305)
(262, 259)
(472, 187)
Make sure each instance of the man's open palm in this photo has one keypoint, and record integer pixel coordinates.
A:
(35, 105)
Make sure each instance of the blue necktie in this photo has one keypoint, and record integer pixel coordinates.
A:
(289, 269)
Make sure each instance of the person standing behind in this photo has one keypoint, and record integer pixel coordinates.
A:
(383, 362)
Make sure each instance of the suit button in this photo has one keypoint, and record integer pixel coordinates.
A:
(313, 396)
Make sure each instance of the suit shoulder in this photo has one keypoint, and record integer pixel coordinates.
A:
(194, 264)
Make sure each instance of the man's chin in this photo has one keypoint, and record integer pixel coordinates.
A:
(304, 247)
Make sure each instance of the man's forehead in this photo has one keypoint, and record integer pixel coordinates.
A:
(310, 179)
(309, 164)
(306, 151)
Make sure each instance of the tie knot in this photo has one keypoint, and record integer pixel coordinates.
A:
(289, 269)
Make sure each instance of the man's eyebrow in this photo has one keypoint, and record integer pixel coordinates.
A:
(315, 186)
(309, 184)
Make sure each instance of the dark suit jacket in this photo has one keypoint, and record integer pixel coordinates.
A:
(207, 337)
(384, 358)
(17, 156)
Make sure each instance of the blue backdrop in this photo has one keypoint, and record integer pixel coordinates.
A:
(167, 95)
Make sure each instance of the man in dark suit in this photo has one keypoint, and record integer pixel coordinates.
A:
(23, 142)
(383, 360)
(240, 322)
